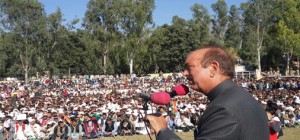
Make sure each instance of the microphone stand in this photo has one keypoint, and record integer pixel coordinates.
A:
(145, 108)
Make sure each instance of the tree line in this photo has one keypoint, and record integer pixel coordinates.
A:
(120, 36)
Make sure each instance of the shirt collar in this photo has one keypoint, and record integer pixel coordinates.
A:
(219, 89)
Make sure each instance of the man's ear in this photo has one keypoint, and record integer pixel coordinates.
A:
(214, 68)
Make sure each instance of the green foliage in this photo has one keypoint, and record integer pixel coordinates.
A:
(176, 44)
(199, 25)
(118, 32)
(232, 35)
(219, 21)
(23, 23)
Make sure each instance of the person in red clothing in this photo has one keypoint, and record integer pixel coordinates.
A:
(44, 120)
(91, 128)
(274, 123)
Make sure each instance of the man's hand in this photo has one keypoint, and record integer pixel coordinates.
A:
(157, 122)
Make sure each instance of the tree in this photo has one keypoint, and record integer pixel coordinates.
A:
(219, 21)
(200, 25)
(23, 21)
(102, 20)
(54, 41)
(4, 54)
(290, 40)
(136, 15)
(175, 45)
(287, 28)
(257, 21)
(232, 35)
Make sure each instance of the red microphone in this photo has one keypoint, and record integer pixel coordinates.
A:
(179, 90)
(160, 98)
(163, 98)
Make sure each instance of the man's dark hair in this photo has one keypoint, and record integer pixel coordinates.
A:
(108, 119)
(219, 54)
(271, 107)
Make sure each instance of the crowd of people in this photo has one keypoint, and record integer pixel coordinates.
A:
(83, 107)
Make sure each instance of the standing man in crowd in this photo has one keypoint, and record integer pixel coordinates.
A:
(233, 113)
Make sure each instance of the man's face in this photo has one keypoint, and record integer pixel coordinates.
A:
(270, 116)
(45, 117)
(86, 118)
(61, 124)
(182, 117)
(195, 73)
(55, 119)
(74, 123)
(134, 117)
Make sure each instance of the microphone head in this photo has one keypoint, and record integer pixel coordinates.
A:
(160, 98)
(181, 90)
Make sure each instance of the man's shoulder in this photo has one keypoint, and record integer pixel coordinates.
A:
(234, 95)
(235, 100)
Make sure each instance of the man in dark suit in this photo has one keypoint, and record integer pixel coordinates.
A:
(233, 114)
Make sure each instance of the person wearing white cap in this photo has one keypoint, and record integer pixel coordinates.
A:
(33, 130)
(134, 119)
(128, 116)
(44, 120)
(48, 131)
(20, 128)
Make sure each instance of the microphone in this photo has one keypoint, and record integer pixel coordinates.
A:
(163, 98)
(179, 90)
(159, 98)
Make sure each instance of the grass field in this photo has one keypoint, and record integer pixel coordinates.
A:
(289, 134)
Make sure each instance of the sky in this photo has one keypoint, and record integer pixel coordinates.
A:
(163, 12)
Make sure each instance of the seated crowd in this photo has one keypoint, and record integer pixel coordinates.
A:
(87, 108)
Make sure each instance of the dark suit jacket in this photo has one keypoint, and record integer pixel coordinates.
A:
(233, 114)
